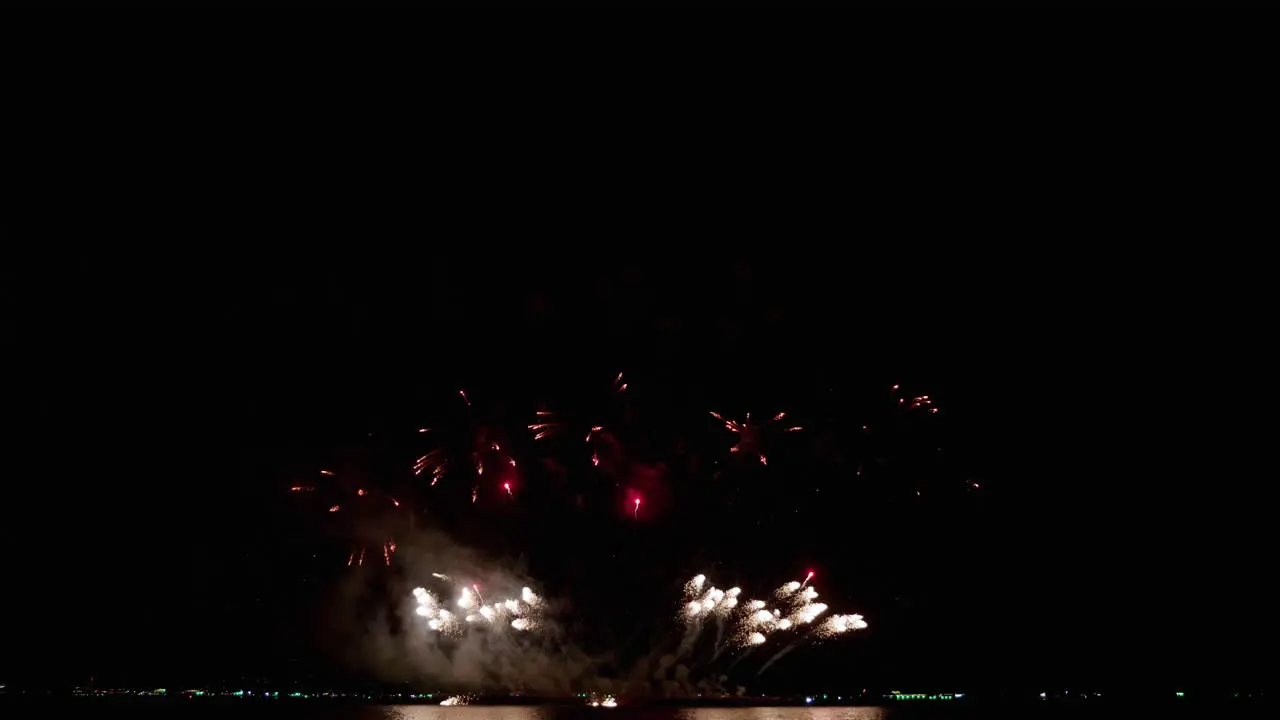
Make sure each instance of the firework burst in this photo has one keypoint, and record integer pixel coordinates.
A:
(550, 424)
(743, 624)
(356, 505)
(472, 448)
(522, 614)
(750, 437)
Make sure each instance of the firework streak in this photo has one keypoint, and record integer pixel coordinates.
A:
(791, 610)
(521, 614)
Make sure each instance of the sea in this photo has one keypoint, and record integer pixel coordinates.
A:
(902, 711)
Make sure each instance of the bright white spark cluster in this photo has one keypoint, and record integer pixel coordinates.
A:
(521, 615)
(839, 624)
(753, 621)
(712, 603)
(808, 613)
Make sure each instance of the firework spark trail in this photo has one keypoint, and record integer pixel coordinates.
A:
(698, 605)
(780, 654)
(749, 436)
(549, 424)
(834, 626)
(466, 446)
(522, 614)
(753, 641)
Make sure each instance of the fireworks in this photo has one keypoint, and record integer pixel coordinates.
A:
(472, 444)
(521, 614)
(694, 586)
(749, 436)
(550, 424)
(839, 624)
(362, 501)
(752, 622)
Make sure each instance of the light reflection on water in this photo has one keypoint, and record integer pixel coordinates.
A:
(783, 713)
(433, 712)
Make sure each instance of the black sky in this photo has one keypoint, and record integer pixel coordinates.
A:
(1109, 397)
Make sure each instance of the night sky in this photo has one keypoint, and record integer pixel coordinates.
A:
(1109, 405)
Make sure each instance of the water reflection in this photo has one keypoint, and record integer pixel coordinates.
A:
(435, 712)
(491, 712)
(783, 713)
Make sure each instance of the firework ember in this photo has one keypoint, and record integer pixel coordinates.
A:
(521, 614)
(750, 436)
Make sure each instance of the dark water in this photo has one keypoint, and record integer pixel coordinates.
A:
(913, 711)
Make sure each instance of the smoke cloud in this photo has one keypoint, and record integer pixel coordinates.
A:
(376, 631)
